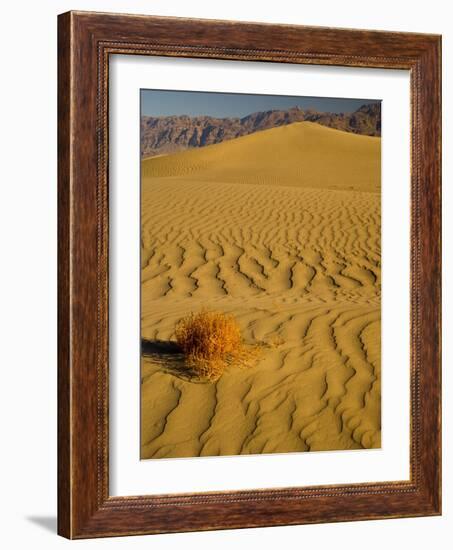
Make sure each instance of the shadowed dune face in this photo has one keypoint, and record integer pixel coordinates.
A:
(282, 229)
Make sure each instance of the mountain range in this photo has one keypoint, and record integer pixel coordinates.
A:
(169, 134)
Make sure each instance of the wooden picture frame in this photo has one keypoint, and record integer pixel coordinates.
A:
(85, 42)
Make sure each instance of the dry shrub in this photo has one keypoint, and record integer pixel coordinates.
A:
(211, 341)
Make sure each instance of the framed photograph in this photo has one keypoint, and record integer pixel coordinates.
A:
(249, 275)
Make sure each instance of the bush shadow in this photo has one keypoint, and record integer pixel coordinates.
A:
(168, 356)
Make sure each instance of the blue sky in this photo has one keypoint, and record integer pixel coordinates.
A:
(167, 102)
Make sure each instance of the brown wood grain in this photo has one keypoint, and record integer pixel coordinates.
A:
(85, 42)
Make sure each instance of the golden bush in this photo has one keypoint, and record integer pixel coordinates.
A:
(210, 342)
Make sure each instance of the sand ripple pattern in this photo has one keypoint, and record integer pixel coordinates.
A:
(296, 264)
(319, 390)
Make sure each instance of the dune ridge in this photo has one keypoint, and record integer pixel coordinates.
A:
(303, 154)
(295, 258)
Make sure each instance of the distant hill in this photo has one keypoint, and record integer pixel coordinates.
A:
(164, 135)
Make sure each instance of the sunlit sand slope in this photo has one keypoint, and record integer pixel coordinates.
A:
(282, 229)
(303, 154)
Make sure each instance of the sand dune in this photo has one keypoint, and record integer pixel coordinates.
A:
(303, 154)
(282, 229)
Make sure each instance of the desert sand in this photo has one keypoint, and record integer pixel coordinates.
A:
(282, 229)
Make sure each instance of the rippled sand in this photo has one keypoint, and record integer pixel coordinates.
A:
(282, 229)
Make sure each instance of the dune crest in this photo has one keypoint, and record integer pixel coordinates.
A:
(303, 154)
